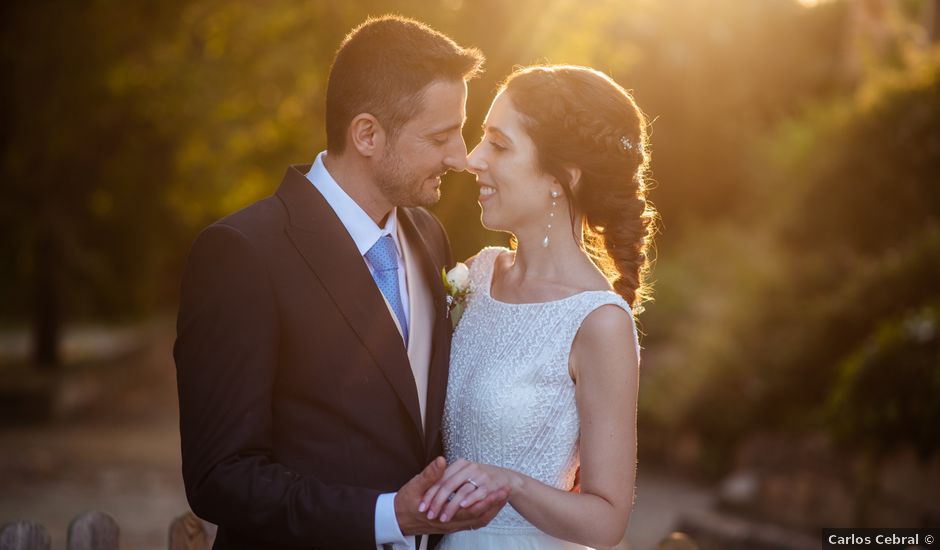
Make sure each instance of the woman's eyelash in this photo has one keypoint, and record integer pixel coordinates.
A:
(493, 144)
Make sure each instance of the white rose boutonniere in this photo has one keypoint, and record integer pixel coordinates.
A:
(457, 284)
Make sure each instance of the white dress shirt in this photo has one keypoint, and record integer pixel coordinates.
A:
(365, 233)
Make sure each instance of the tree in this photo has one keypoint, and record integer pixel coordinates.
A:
(82, 165)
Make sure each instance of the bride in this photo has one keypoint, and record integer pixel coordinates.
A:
(545, 362)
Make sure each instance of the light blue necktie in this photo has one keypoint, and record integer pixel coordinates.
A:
(384, 259)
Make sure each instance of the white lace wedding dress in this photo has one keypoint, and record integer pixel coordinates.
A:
(510, 400)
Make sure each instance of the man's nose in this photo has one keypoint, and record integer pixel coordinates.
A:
(475, 162)
(457, 157)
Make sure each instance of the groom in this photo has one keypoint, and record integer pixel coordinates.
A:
(312, 340)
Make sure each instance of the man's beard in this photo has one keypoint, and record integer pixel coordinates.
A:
(403, 187)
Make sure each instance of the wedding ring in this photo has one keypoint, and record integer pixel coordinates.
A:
(471, 482)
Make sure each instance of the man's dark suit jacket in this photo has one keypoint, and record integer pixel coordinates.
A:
(298, 406)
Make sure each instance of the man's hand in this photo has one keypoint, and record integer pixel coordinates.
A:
(413, 522)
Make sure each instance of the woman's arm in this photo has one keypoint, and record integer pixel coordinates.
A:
(605, 368)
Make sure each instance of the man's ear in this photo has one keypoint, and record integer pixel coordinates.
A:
(366, 134)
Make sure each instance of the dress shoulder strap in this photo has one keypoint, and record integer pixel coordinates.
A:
(481, 270)
(586, 303)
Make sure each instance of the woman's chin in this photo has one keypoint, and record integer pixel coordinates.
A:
(487, 221)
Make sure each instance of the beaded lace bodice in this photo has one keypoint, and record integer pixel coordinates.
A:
(510, 399)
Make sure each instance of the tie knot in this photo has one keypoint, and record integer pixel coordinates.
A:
(383, 256)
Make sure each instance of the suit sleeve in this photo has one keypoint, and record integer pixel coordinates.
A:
(226, 355)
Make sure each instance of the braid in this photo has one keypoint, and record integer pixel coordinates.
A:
(578, 116)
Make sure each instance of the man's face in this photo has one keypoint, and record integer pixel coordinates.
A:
(426, 147)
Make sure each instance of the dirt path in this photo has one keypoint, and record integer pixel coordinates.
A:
(660, 500)
(130, 473)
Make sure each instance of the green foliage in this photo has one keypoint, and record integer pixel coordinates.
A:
(886, 396)
(82, 167)
(137, 124)
(848, 252)
(796, 166)
(876, 185)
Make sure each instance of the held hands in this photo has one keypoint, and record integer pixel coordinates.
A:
(412, 513)
(464, 486)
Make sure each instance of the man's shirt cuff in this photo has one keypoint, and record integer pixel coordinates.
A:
(387, 530)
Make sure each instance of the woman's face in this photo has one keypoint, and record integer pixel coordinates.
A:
(514, 194)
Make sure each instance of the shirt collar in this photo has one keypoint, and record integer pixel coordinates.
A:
(360, 226)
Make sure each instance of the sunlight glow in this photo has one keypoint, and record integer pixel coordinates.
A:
(811, 3)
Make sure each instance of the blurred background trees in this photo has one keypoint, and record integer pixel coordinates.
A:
(796, 149)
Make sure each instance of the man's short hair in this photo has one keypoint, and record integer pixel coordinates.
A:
(382, 68)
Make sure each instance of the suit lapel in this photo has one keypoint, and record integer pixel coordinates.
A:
(440, 352)
(329, 250)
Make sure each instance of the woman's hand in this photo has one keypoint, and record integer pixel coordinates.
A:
(463, 484)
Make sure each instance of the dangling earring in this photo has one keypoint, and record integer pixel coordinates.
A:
(551, 218)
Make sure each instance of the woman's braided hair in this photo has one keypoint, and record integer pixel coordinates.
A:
(580, 117)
